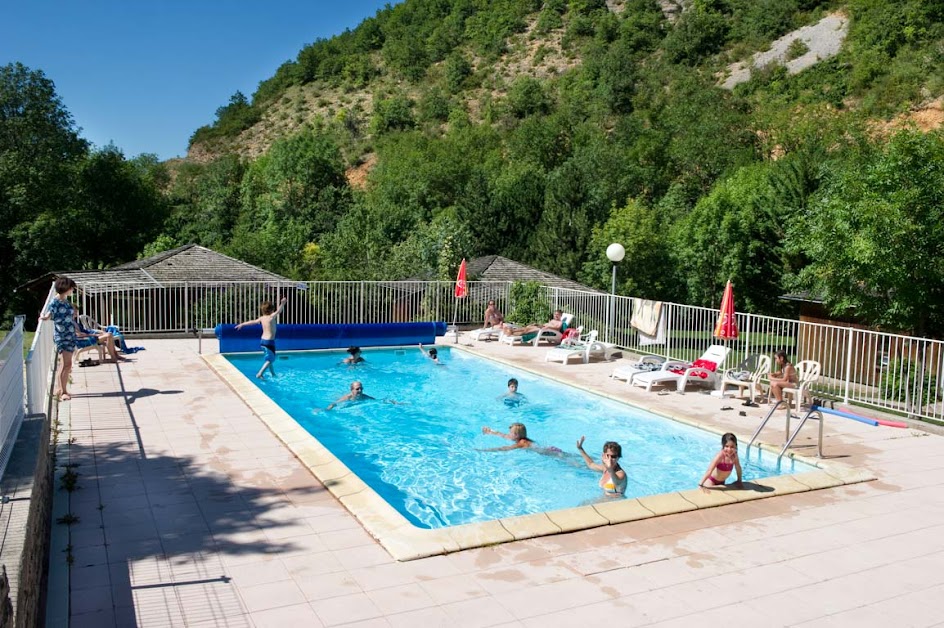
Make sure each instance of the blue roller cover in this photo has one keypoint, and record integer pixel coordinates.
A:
(299, 337)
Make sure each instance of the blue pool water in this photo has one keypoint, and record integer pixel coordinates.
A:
(422, 453)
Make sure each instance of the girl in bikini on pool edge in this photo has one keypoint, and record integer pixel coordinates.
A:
(724, 463)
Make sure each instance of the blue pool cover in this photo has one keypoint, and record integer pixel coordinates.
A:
(299, 337)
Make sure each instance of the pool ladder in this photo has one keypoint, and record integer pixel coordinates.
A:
(788, 437)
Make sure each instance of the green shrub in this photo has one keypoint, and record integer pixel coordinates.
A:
(392, 114)
(548, 20)
(901, 382)
(579, 26)
(529, 303)
(526, 96)
(797, 49)
(696, 35)
(458, 70)
(434, 106)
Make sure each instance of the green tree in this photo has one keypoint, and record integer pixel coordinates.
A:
(433, 250)
(561, 237)
(699, 32)
(392, 114)
(875, 235)
(115, 196)
(646, 271)
(206, 202)
(526, 97)
(735, 232)
(289, 197)
(40, 150)
(359, 246)
(503, 207)
(458, 69)
(231, 119)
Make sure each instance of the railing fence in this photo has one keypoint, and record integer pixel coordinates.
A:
(892, 372)
(40, 366)
(888, 371)
(11, 390)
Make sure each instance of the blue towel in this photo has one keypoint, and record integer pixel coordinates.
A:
(120, 339)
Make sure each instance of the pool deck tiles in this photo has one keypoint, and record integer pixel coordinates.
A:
(192, 511)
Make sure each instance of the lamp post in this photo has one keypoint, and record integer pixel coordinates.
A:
(615, 252)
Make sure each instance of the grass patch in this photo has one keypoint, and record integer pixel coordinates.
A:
(27, 339)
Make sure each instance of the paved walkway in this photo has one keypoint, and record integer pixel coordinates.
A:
(192, 514)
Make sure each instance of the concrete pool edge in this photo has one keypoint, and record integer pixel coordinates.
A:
(404, 541)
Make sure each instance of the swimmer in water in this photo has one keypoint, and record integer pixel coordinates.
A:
(432, 354)
(513, 397)
(355, 357)
(356, 394)
(614, 479)
(519, 433)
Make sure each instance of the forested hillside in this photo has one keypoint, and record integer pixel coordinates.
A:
(543, 131)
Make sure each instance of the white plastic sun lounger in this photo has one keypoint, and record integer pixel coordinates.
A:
(702, 371)
(642, 365)
(486, 333)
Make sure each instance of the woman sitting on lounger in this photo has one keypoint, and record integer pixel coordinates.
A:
(555, 324)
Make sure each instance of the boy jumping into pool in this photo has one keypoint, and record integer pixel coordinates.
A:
(267, 317)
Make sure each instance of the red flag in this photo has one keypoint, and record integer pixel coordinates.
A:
(727, 323)
(461, 288)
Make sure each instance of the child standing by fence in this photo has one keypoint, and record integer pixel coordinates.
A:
(267, 317)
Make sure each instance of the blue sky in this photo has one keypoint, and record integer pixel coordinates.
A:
(145, 75)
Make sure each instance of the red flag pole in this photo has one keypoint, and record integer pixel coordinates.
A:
(460, 293)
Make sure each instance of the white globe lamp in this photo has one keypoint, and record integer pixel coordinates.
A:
(615, 252)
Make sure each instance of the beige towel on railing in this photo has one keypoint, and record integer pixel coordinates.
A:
(646, 315)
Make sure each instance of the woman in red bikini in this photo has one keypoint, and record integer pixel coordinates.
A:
(724, 463)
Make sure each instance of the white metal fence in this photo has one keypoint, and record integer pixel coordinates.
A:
(181, 307)
(892, 372)
(40, 369)
(888, 371)
(11, 390)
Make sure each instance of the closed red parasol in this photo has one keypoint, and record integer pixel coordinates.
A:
(727, 323)
(461, 288)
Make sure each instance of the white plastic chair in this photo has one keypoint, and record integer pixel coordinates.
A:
(807, 374)
(732, 377)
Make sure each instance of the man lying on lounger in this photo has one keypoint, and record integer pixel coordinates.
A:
(555, 324)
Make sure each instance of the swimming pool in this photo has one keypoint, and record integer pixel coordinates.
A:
(422, 455)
